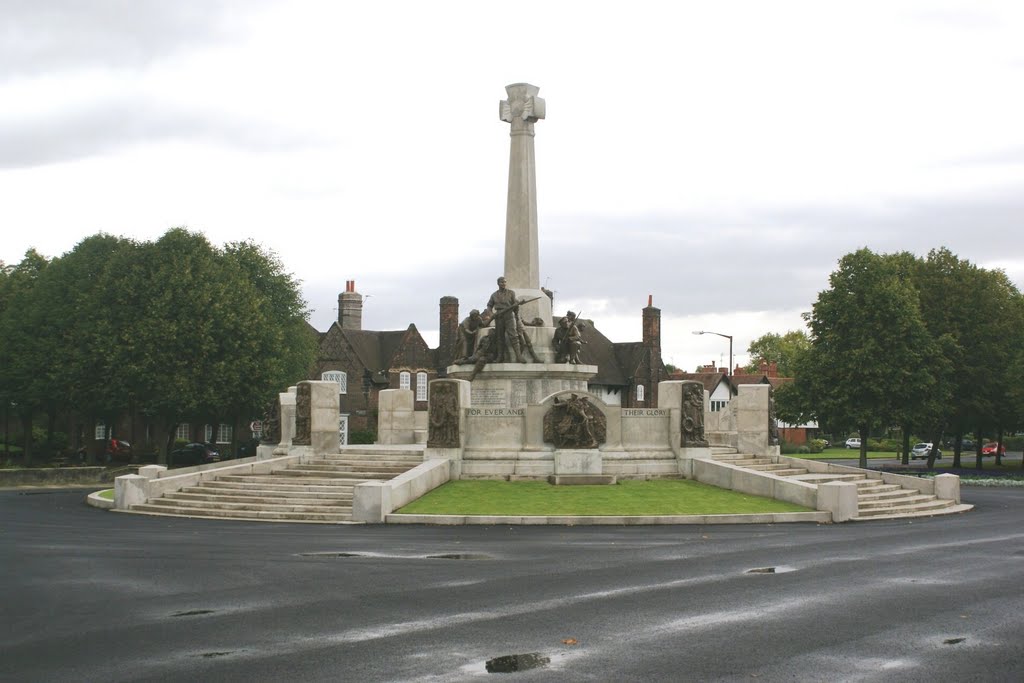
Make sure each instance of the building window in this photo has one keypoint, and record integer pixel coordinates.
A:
(718, 406)
(184, 432)
(101, 430)
(337, 376)
(639, 392)
(224, 433)
(207, 433)
(404, 380)
(421, 386)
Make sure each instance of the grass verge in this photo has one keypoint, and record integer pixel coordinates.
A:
(627, 498)
(108, 494)
(839, 454)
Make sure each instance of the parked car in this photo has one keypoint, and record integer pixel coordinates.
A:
(117, 451)
(853, 443)
(990, 449)
(193, 454)
(921, 450)
(965, 444)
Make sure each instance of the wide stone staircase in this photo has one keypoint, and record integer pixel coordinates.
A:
(875, 498)
(318, 490)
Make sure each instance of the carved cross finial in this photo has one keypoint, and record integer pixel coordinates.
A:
(522, 108)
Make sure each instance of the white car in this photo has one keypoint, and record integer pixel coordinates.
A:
(853, 443)
(921, 450)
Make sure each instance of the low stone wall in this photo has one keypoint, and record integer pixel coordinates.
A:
(372, 501)
(755, 483)
(51, 476)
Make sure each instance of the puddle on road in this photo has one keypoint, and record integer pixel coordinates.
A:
(193, 613)
(438, 556)
(211, 655)
(511, 663)
(953, 641)
(781, 569)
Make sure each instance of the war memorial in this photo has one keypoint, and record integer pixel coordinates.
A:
(515, 405)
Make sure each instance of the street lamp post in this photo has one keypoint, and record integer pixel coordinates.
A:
(727, 336)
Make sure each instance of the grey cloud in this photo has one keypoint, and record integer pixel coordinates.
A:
(113, 124)
(699, 264)
(41, 36)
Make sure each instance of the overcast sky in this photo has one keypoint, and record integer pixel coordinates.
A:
(719, 156)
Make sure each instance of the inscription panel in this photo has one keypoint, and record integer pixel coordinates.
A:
(496, 412)
(645, 412)
(489, 396)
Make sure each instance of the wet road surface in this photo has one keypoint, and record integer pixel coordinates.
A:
(93, 595)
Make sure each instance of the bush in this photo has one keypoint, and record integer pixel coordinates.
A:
(787, 448)
(816, 445)
(884, 445)
(361, 436)
(1014, 443)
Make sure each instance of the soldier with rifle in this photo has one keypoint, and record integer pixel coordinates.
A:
(503, 308)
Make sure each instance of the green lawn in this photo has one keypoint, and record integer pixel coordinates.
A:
(659, 497)
(108, 494)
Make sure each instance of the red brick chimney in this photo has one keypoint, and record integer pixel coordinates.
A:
(350, 307)
(773, 369)
(652, 324)
(448, 326)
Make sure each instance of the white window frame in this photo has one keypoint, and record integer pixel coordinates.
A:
(224, 433)
(100, 431)
(183, 432)
(207, 433)
(404, 380)
(421, 386)
(718, 405)
(336, 376)
(639, 392)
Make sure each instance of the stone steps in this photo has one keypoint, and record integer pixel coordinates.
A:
(318, 491)
(875, 498)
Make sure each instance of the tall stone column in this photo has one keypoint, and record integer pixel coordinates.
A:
(522, 255)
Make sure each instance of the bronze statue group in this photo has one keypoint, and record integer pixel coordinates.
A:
(508, 342)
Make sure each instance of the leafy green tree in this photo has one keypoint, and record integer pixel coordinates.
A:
(781, 349)
(870, 354)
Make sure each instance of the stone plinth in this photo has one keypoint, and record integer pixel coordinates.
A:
(324, 411)
(396, 419)
(578, 461)
(287, 401)
(752, 406)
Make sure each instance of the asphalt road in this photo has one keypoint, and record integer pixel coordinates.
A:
(90, 595)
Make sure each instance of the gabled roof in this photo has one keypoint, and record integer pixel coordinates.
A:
(710, 380)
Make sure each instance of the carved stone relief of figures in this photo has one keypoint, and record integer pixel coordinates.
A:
(692, 427)
(575, 423)
(773, 421)
(272, 423)
(444, 415)
(303, 415)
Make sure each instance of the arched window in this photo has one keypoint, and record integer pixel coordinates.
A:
(404, 380)
(337, 376)
(639, 392)
(421, 386)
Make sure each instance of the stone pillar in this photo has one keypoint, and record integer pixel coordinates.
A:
(130, 489)
(446, 436)
(672, 398)
(753, 405)
(316, 417)
(287, 400)
(396, 419)
(947, 487)
(522, 255)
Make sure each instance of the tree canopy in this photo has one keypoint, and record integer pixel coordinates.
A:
(176, 329)
(781, 349)
(932, 344)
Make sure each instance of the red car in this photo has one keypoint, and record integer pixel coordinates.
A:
(990, 449)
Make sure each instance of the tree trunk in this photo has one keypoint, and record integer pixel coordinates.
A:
(26, 439)
(999, 446)
(957, 447)
(906, 445)
(977, 450)
(863, 431)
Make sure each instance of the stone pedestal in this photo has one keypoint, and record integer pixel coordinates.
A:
(396, 419)
(578, 461)
(324, 409)
(287, 401)
(446, 417)
(752, 407)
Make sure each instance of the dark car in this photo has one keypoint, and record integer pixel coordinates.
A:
(193, 454)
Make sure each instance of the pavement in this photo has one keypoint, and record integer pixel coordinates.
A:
(91, 595)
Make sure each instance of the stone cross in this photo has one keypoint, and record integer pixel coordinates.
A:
(522, 257)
